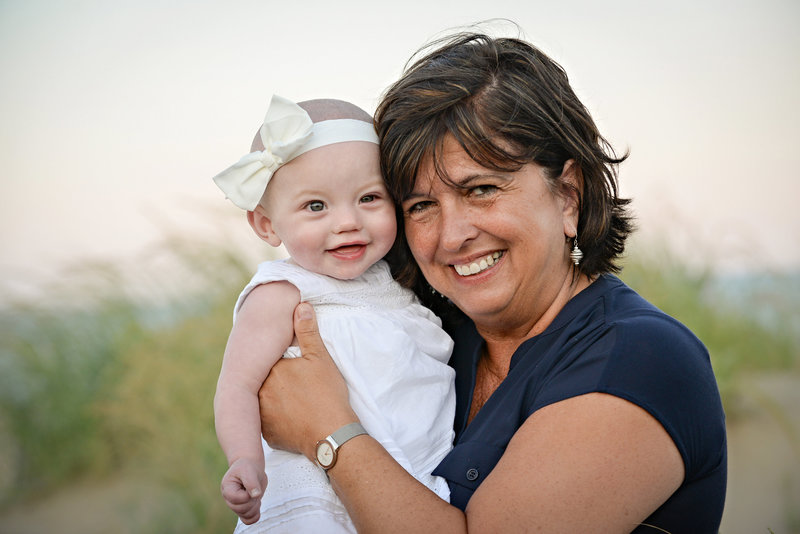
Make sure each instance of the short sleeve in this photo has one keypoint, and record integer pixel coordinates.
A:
(662, 367)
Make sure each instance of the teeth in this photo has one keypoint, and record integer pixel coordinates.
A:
(478, 266)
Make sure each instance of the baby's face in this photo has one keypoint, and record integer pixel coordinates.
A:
(331, 210)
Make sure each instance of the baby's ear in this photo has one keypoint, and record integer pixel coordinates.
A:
(262, 226)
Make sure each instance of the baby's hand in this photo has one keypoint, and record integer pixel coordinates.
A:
(242, 487)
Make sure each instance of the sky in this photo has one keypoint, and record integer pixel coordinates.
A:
(115, 115)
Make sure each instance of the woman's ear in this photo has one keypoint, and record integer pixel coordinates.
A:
(571, 185)
(262, 226)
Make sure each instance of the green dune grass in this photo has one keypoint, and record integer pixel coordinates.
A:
(111, 379)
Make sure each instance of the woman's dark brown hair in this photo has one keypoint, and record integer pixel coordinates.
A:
(507, 104)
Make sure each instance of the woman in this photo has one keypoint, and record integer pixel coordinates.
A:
(580, 407)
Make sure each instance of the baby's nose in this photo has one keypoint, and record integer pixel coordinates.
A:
(346, 220)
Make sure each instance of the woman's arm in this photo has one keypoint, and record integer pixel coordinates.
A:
(592, 463)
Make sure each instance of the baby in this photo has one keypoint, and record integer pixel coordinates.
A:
(313, 183)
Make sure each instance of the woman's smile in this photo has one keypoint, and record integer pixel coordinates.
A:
(478, 266)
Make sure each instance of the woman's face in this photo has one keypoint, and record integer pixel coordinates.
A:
(497, 245)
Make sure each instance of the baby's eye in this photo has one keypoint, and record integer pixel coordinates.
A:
(315, 205)
(368, 198)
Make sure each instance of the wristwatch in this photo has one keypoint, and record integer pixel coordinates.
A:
(327, 449)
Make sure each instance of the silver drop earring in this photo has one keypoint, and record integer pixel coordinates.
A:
(576, 255)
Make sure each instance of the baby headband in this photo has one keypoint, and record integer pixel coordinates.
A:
(287, 133)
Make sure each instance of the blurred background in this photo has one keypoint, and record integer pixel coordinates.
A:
(121, 260)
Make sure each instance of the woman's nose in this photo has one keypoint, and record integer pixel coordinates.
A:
(457, 228)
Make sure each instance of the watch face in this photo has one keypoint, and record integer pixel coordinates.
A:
(324, 454)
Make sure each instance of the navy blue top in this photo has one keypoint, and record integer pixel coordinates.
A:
(606, 339)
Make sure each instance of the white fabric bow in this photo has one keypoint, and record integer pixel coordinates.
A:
(284, 133)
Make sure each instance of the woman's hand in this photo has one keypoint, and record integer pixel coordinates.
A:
(304, 399)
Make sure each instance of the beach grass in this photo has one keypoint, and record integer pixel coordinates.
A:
(113, 375)
(107, 380)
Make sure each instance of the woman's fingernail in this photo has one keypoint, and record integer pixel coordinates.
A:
(304, 311)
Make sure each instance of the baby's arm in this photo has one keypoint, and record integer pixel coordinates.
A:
(262, 332)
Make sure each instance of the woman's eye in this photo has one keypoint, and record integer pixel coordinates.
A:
(483, 190)
(418, 207)
(316, 205)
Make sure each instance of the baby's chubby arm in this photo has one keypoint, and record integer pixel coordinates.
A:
(262, 332)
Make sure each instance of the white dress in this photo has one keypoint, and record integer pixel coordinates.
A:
(393, 355)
